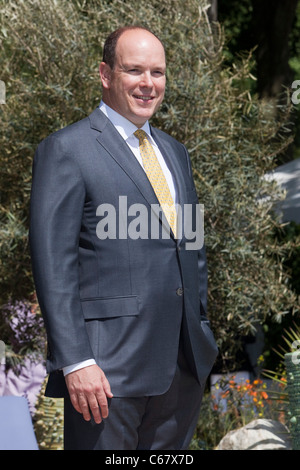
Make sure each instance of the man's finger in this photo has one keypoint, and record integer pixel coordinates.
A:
(84, 407)
(106, 387)
(75, 403)
(103, 404)
(95, 410)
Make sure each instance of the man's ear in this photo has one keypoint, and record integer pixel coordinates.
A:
(105, 74)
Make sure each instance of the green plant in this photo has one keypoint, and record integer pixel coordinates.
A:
(231, 405)
(211, 427)
(48, 421)
(293, 390)
(288, 378)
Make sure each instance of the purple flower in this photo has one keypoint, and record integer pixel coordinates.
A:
(26, 328)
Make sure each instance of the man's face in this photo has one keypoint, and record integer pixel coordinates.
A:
(135, 87)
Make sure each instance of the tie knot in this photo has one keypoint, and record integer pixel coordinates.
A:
(140, 134)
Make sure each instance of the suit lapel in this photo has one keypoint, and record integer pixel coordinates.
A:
(110, 139)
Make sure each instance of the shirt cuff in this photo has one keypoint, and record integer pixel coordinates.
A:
(78, 365)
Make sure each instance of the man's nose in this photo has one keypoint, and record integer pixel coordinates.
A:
(146, 80)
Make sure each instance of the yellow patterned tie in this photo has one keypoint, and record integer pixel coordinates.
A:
(157, 178)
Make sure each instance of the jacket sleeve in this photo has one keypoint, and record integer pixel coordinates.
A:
(57, 202)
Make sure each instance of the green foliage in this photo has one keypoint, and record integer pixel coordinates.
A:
(43, 59)
(295, 44)
(291, 233)
(287, 376)
(48, 421)
(51, 51)
(233, 404)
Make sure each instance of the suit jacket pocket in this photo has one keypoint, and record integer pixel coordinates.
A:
(110, 307)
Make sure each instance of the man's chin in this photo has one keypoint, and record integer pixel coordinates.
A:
(143, 114)
(139, 119)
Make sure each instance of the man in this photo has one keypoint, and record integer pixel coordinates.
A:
(129, 346)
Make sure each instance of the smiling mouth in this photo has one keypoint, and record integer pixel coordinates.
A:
(143, 98)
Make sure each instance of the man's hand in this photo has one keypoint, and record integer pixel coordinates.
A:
(89, 389)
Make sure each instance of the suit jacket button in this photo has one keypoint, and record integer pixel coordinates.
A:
(179, 291)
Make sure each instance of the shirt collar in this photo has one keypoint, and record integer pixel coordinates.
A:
(123, 125)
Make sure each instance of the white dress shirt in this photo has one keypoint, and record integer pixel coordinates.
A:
(126, 130)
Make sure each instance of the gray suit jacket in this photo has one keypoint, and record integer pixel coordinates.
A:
(120, 300)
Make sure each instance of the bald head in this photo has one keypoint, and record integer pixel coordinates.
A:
(109, 49)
